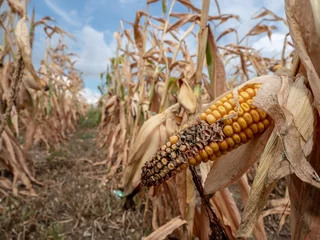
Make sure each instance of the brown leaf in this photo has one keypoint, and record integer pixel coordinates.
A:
(16, 7)
(149, 139)
(22, 36)
(306, 43)
(138, 37)
(186, 97)
(165, 230)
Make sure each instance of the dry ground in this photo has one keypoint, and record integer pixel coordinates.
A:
(77, 202)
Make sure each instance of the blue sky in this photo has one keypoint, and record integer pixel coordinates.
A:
(93, 23)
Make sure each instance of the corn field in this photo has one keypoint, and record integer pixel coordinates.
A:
(204, 141)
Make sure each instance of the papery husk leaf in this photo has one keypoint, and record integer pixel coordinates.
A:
(186, 97)
(244, 187)
(284, 146)
(260, 191)
(306, 42)
(163, 231)
(148, 140)
(315, 4)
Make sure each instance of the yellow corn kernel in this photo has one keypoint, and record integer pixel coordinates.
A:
(208, 111)
(254, 128)
(243, 124)
(213, 107)
(229, 95)
(236, 127)
(262, 114)
(255, 115)
(260, 127)
(266, 123)
(228, 130)
(227, 106)
(192, 161)
(203, 116)
(245, 96)
(222, 110)
(248, 118)
(184, 166)
(243, 136)
(174, 139)
(248, 132)
(240, 98)
(219, 103)
(203, 155)
(245, 107)
(216, 114)
(214, 146)
(223, 145)
(208, 150)
(251, 92)
(230, 142)
(236, 138)
(224, 99)
(232, 102)
(198, 158)
(211, 119)
(240, 112)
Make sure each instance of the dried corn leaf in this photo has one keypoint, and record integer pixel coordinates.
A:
(149, 139)
(216, 69)
(22, 36)
(285, 145)
(165, 230)
(16, 7)
(186, 97)
(306, 42)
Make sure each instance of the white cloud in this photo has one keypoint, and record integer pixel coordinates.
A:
(90, 96)
(71, 19)
(272, 48)
(93, 52)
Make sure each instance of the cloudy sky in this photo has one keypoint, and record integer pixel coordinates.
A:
(93, 23)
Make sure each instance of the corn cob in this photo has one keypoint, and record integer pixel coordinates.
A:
(211, 135)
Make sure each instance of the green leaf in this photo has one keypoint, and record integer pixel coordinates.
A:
(164, 6)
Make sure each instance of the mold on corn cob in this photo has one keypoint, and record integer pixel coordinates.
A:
(213, 133)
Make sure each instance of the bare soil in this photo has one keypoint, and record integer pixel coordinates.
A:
(78, 201)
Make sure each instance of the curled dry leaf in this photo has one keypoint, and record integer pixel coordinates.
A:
(22, 36)
(148, 141)
(186, 97)
(283, 155)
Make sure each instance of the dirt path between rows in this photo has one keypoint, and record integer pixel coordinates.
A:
(76, 201)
